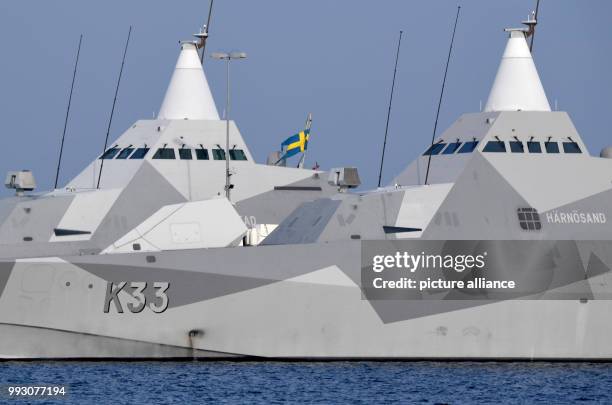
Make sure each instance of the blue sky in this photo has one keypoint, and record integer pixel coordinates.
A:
(332, 58)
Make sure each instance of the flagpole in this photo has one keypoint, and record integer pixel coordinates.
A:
(307, 128)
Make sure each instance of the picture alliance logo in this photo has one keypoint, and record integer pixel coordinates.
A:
(411, 262)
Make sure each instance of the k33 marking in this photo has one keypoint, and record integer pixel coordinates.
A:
(158, 303)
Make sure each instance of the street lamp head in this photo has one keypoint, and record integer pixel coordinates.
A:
(220, 55)
(228, 55)
(237, 55)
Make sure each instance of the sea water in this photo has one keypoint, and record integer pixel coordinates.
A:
(312, 382)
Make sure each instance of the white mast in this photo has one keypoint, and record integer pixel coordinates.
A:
(517, 85)
(188, 95)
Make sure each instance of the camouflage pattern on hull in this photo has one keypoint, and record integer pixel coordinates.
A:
(155, 263)
(232, 302)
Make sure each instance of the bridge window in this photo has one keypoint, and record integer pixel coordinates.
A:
(434, 149)
(468, 147)
(551, 147)
(125, 153)
(164, 153)
(495, 146)
(218, 154)
(185, 154)
(109, 154)
(571, 147)
(201, 154)
(451, 148)
(237, 154)
(534, 147)
(517, 147)
(140, 153)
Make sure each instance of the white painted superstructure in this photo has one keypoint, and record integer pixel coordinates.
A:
(517, 86)
(188, 95)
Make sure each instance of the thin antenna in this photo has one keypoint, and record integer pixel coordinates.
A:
(535, 17)
(450, 50)
(382, 157)
(203, 35)
(59, 160)
(110, 120)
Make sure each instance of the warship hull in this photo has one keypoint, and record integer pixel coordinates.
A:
(146, 259)
(264, 302)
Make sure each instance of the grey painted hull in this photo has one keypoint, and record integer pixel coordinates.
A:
(265, 302)
(29, 342)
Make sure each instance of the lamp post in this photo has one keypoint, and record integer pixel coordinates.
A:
(228, 56)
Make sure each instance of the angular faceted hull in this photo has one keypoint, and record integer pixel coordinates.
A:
(270, 302)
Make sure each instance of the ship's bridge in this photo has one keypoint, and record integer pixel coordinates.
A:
(517, 125)
(187, 140)
(185, 147)
(524, 135)
(177, 149)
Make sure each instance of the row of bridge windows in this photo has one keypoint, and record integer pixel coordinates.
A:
(449, 149)
(170, 153)
(532, 147)
(442, 148)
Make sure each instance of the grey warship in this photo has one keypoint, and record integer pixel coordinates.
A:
(151, 264)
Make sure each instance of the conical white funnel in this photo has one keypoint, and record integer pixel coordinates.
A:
(517, 85)
(188, 95)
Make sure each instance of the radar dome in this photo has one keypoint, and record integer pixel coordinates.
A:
(606, 152)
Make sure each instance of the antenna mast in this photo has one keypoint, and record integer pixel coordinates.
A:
(203, 34)
(110, 121)
(59, 160)
(382, 158)
(450, 50)
(531, 22)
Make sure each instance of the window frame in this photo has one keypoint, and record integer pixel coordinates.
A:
(159, 154)
(495, 142)
(110, 153)
(529, 219)
(204, 152)
(448, 151)
(468, 147)
(515, 143)
(188, 155)
(435, 149)
(534, 146)
(137, 153)
(220, 152)
(553, 145)
(129, 149)
(238, 155)
(574, 144)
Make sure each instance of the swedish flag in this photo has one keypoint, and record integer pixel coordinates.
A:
(295, 144)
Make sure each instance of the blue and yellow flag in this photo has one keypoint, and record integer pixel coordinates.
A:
(295, 144)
